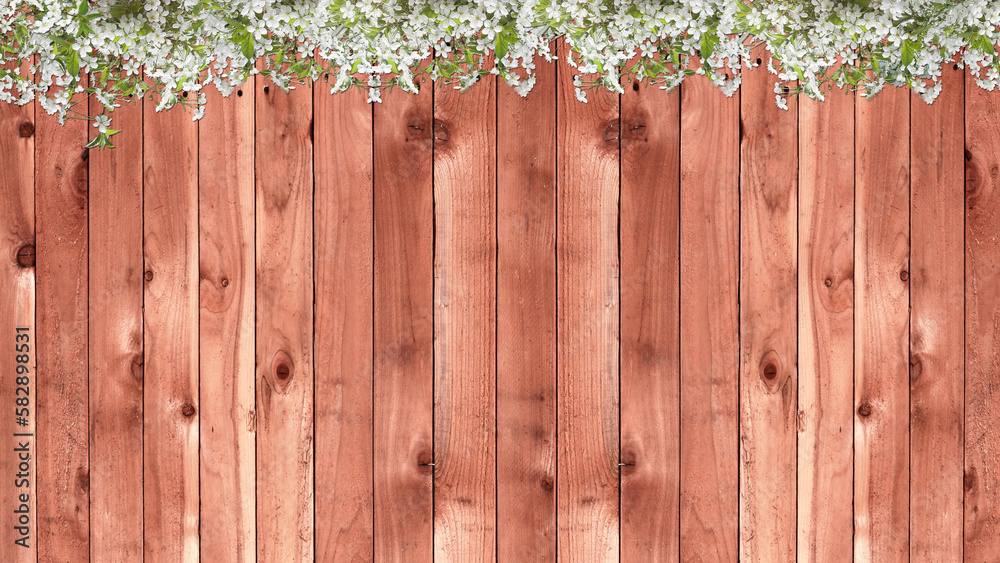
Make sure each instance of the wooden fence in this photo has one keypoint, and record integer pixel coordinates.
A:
(467, 327)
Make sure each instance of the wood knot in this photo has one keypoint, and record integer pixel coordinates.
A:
(224, 282)
(612, 131)
(547, 484)
(267, 89)
(969, 479)
(282, 372)
(187, 409)
(635, 86)
(864, 409)
(26, 129)
(441, 132)
(916, 367)
(828, 282)
(83, 479)
(239, 93)
(26, 256)
(136, 367)
(86, 155)
(770, 371)
(148, 276)
(968, 154)
(904, 275)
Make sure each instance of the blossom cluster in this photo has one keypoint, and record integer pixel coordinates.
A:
(115, 49)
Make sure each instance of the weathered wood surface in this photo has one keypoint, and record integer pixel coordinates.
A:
(526, 321)
(403, 454)
(342, 250)
(61, 294)
(826, 328)
(465, 255)
(284, 323)
(650, 290)
(226, 339)
(709, 323)
(171, 486)
(768, 324)
(881, 327)
(587, 485)
(659, 326)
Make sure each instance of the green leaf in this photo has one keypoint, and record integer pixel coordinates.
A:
(707, 45)
(907, 52)
(246, 46)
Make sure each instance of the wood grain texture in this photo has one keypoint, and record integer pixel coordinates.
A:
(982, 323)
(226, 326)
(61, 222)
(709, 322)
(768, 332)
(343, 257)
(403, 326)
(650, 325)
(588, 320)
(881, 328)
(17, 310)
(937, 343)
(465, 322)
(284, 301)
(116, 342)
(826, 328)
(526, 320)
(170, 337)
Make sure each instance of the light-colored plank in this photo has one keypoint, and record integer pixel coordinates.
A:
(881, 327)
(709, 320)
(19, 501)
(937, 325)
(170, 336)
(982, 319)
(826, 327)
(116, 341)
(526, 320)
(61, 204)
(650, 324)
(284, 301)
(465, 322)
(403, 400)
(587, 262)
(226, 333)
(768, 336)
(343, 276)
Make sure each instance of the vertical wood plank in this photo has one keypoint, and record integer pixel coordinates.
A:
(343, 275)
(465, 322)
(881, 330)
(826, 327)
(982, 319)
(17, 310)
(937, 326)
(526, 320)
(403, 381)
(226, 321)
(284, 301)
(768, 331)
(116, 341)
(709, 320)
(61, 203)
(650, 326)
(587, 265)
(170, 337)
